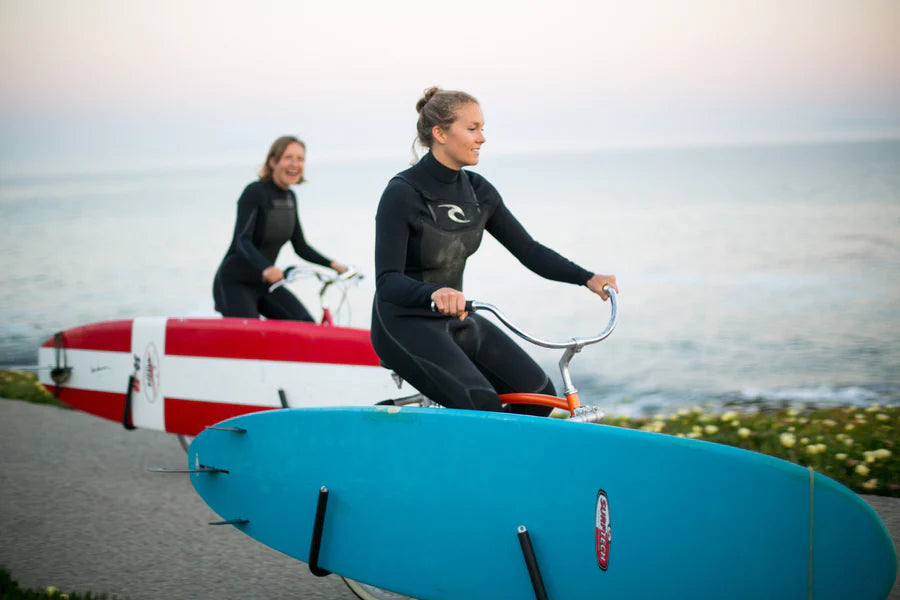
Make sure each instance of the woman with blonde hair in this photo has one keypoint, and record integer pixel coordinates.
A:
(430, 219)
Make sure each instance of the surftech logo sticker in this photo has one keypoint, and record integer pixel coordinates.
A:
(602, 533)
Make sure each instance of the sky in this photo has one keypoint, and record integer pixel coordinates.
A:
(121, 83)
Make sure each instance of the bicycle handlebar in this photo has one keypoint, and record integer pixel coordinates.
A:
(294, 272)
(577, 342)
(571, 347)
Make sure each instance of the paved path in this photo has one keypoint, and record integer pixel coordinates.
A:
(79, 510)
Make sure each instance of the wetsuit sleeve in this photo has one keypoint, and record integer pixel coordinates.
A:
(392, 226)
(534, 255)
(303, 249)
(249, 205)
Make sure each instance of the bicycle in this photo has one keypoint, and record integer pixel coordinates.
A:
(327, 279)
(570, 404)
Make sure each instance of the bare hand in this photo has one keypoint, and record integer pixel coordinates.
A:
(450, 302)
(597, 282)
(272, 275)
(338, 267)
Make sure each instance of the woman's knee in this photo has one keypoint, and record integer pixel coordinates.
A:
(483, 399)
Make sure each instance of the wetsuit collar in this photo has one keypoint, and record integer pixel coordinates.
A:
(437, 170)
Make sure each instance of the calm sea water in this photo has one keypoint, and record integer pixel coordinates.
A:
(745, 273)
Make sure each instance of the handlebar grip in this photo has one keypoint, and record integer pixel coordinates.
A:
(470, 307)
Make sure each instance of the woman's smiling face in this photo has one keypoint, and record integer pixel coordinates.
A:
(459, 145)
(288, 170)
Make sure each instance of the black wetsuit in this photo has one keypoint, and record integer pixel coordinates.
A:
(266, 219)
(429, 221)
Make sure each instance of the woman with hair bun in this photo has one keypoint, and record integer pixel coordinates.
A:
(266, 220)
(430, 219)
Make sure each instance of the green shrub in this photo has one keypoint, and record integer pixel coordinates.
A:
(18, 385)
(10, 590)
(853, 445)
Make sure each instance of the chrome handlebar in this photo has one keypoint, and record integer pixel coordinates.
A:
(571, 347)
(293, 273)
(576, 343)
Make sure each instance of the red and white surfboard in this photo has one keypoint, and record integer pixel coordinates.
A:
(185, 374)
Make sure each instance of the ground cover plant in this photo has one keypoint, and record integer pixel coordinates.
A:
(10, 590)
(854, 445)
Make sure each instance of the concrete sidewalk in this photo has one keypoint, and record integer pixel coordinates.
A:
(80, 510)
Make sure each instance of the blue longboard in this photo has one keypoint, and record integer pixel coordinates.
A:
(429, 502)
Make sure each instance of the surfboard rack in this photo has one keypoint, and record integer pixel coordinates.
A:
(231, 429)
(61, 373)
(316, 541)
(231, 522)
(534, 571)
(127, 421)
(315, 545)
(201, 469)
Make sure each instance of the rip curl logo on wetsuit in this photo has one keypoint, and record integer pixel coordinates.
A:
(454, 213)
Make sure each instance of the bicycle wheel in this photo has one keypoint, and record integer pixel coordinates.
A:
(365, 591)
(185, 441)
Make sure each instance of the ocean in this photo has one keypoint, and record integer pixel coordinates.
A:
(747, 274)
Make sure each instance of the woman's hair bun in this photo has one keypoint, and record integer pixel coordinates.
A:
(429, 94)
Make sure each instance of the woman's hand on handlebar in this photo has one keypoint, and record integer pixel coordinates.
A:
(450, 302)
(341, 269)
(597, 282)
(272, 275)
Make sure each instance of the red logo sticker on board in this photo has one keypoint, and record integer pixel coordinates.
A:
(602, 533)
